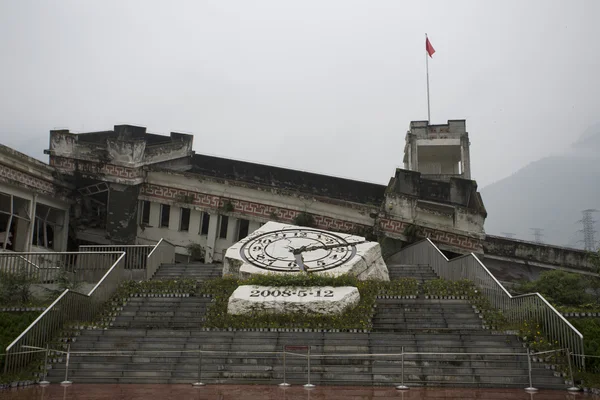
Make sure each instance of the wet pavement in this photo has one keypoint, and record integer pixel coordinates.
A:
(230, 392)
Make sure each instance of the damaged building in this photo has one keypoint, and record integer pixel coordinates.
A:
(128, 186)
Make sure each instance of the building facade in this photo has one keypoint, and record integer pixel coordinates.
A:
(34, 205)
(128, 186)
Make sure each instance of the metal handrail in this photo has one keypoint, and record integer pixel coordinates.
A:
(163, 252)
(281, 355)
(45, 267)
(84, 246)
(68, 306)
(29, 262)
(521, 308)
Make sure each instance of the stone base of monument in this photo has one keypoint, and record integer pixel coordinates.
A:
(322, 300)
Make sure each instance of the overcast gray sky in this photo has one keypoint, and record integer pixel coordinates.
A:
(328, 86)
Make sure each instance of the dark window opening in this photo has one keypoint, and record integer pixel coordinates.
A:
(223, 229)
(165, 211)
(145, 212)
(184, 223)
(244, 224)
(204, 224)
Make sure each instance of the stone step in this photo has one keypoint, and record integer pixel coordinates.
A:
(233, 375)
(403, 314)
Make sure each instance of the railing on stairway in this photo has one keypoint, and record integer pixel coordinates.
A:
(518, 309)
(69, 306)
(135, 257)
(140, 257)
(47, 267)
(162, 253)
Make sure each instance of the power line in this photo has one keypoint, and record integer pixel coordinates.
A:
(537, 234)
(589, 233)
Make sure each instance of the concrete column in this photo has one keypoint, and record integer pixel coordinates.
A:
(65, 232)
(154, 215)
(465, 157)
(32, 210)
(232, 230)
(22, 234)
(414, 153)
(211, 240)
(174, 215)
(195, 221)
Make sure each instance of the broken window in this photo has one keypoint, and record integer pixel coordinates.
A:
(165, 211)
(47, 227)
(184, 220)
(223, 228)
(145, 212)
(14, 222)
(204, 223)
(243, 225)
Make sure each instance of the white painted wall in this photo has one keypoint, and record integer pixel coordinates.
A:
(214, 245)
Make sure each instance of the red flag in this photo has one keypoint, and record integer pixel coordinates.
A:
(429, 48)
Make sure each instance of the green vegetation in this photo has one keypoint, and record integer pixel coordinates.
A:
(196, 251)
(133, 288)
(12, 324)
(399, 287)
(357, 318)
(560, 288)
(305, 219)
(590, 329)
(15, 288)
(570, 293)
(443, 288)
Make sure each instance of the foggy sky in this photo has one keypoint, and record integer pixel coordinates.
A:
(328, 86)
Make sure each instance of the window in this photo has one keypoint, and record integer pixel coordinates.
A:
(14, 222)
(204, 223)
(165, 211)
(184, 220)
(46, 227)
(243, 225)
(223, 228)
(145, 212)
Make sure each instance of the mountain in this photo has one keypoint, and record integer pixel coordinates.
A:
(549, 194)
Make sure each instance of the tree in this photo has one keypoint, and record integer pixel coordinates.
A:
(560, 288)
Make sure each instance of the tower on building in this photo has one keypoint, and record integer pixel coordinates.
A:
(438, 152)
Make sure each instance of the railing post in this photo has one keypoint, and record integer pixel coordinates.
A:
(44, 381)
(199, 383)
(67, 381)
(573, 388)
(284, 383)
(530, 388)
(309, 385)
(402, 386)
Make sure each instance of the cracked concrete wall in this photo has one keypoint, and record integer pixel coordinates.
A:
(121, 220)
(512, 249)
(125, 152)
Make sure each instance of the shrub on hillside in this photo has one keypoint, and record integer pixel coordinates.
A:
(559, 287)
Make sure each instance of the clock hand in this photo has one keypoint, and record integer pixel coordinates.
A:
(300, 262)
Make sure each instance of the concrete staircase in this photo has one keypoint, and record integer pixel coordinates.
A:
(399, 315)
(159, 312)
(421, 273)
(197, 271)
(158, 339)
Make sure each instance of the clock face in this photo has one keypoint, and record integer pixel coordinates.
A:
(315, 250)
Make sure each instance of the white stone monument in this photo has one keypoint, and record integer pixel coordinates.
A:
(284, 248)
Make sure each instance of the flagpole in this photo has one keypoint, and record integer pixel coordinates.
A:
(427, 69)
